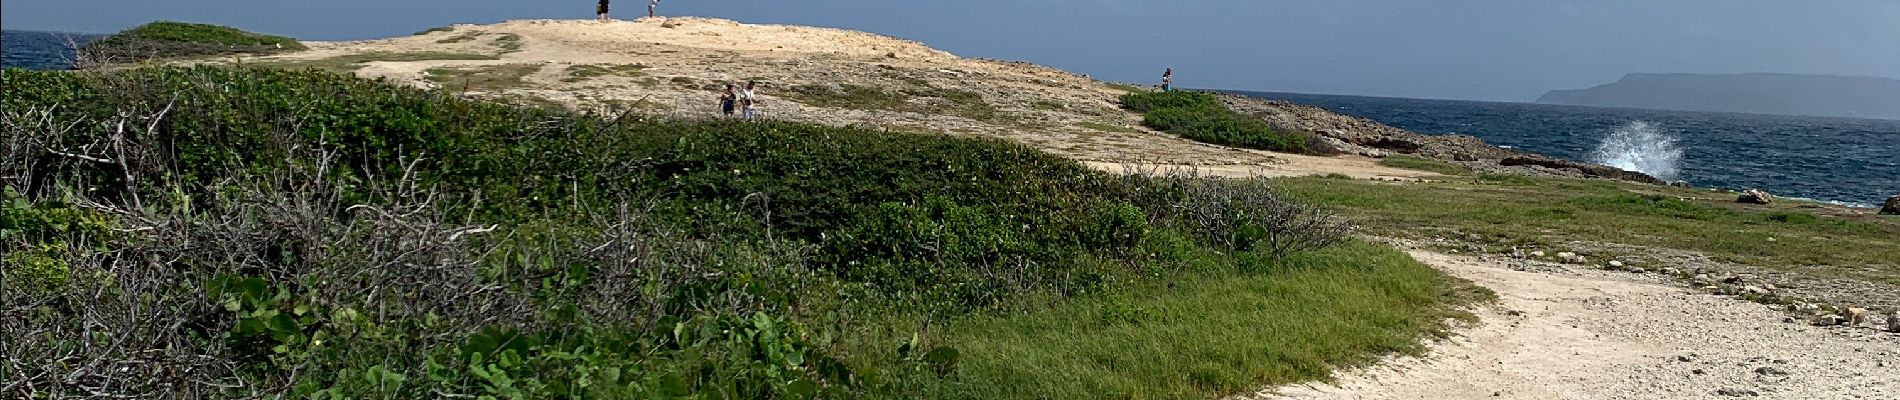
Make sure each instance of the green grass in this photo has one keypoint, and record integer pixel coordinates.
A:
(1206, 337)
(1127, 87)
(1107, 127)
(166, 39)
(1201, 117)
(1424, 164)
(487, 78)
(1550, 212)
(925, 99)
(583, 72)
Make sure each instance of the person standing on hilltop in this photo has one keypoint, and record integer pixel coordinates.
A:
(1167, 79)
(653, 7)
(601, 10)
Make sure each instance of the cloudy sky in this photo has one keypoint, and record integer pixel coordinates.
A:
(1506, 50)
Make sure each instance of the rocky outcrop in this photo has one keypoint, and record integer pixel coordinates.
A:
(1342, 134)
(1755, 196)
(1593, 170)
(1893, 206)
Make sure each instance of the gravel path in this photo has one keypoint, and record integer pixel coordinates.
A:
(1589, 334)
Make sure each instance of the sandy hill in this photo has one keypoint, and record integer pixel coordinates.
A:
(678, 67)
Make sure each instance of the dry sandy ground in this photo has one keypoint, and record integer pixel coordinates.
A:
(688, 60)
(1563, 333)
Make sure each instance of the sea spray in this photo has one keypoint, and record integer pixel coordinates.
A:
(1639, 146)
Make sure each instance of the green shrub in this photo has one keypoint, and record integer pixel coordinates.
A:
(166, 39)
(321, 235)
(1145, 101)
(1201, 117)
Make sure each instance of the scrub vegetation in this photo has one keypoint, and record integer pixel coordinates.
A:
(253, 232)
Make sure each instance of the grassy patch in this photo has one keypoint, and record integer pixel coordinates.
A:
(462, 38)
(486, 78)
(1210, 337)
(165, 39)
(1201, 117)
(508, 43)
(1107, 127)
(434, 30)
(1424, 164)
(1546, 212)
(582, 72)
(927, 99)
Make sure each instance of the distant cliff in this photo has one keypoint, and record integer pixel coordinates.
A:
(1789, 94)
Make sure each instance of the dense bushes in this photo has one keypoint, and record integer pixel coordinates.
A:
(1201, 117)
(256, 232)
(165, 39)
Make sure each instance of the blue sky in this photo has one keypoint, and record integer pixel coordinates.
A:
(1507, 50)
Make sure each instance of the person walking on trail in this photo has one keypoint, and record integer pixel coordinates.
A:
(652, 7)
(601, 10)
(749, 100)
(1167, 79)
(729, 102)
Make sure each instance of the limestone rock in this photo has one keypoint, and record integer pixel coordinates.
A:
(1856, 316)
(1755, 196)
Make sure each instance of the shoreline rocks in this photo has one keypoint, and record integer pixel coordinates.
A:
(1892, 207)
(1343, 134)
(1755, 196)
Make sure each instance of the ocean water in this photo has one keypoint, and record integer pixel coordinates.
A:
(1839, 160)
(38, 50)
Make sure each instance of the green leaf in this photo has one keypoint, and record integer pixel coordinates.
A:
(802, 389)
(671, 385)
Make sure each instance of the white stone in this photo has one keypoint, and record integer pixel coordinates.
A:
(1616, 264)
(1856, 315)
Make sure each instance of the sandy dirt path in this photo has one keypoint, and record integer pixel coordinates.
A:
(1589, 334)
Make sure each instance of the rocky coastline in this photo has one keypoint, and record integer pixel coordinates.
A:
(1339, 134)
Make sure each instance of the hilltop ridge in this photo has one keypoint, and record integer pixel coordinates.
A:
(677, 66)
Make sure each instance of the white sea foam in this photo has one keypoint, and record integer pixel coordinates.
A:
(1639, 146)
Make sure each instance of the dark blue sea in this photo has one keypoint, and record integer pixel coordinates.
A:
(1839, 160)
(39, 50)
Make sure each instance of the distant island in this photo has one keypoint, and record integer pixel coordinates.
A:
(1759, 93)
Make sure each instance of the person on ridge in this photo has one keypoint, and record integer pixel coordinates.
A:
(728, 103)
(1167, 79)
(652, 7)
(601, 10)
